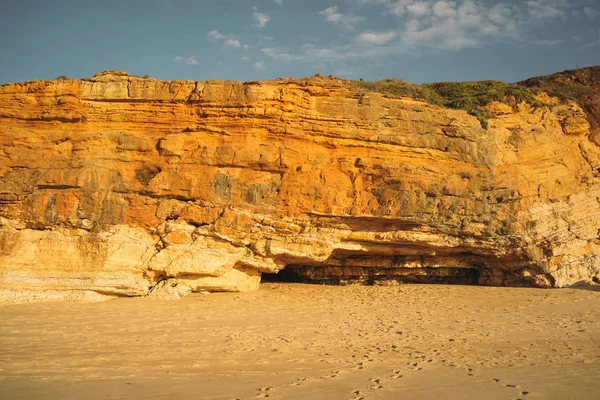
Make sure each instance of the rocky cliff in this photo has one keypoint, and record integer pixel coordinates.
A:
(125, 186)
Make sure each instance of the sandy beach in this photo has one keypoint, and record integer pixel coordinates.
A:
(293, 341)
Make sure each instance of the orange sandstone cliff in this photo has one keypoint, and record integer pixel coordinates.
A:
(126, 186)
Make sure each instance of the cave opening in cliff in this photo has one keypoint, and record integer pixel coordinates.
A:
(327, 275)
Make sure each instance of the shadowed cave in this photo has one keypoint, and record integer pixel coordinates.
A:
(335, 275)
(417, 264)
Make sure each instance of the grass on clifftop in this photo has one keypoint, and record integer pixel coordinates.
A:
(468, 96)
(581, 85)
(567, 85)
(398, 87)
(472, 96)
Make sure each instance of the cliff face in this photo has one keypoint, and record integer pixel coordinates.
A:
(124, 186)
(581, 85)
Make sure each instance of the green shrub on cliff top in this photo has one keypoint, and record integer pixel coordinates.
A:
(398, 87)
(468, 96)
(458, 95)
(567, 85)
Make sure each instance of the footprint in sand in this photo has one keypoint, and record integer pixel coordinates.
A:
(264, 391)
(396, 374)
(376, 383)
(299, 382)
(512, 386)
(360, 365)
(415, 366)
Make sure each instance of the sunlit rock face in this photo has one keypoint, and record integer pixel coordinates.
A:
(126, 186)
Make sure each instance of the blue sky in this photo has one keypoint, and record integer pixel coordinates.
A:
(415, 40)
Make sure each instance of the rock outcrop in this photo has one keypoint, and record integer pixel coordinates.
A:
(126, 186)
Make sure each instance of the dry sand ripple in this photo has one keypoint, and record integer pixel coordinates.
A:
(296, 341)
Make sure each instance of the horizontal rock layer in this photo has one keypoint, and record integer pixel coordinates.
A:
(124, 186)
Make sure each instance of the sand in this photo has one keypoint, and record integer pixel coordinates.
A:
(292, 341)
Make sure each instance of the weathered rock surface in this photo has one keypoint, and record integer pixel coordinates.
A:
(124, 186)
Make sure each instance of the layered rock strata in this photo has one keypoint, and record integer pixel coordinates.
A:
(126, 186)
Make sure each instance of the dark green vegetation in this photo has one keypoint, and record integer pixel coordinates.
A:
(468, 96)
(579, 85)
(472, 96)
(574, 84)
(398, 87)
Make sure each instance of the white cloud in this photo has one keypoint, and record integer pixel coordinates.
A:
(593, 43)
(371, 2)
(312, 53)
(433, 26)
(500, 14)
(260, 19)
(412, 25)
(590, 12)
(419, 8)
(278, 2)
(547, 9)
(537, 9)
(375, 38)
(260, 66)
(227, 40)
(214, 34)
(232, 43)
(280, 54)
(348, 21)
(545, 42)
(189, 60)
(469, 15)
(444, 9)
(398, 7)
